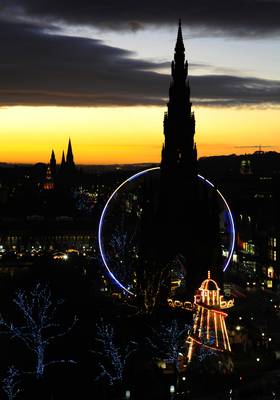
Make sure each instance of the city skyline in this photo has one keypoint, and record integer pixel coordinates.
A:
(167, 275)
(105, 84)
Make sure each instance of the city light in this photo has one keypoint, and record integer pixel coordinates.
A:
(150, 323)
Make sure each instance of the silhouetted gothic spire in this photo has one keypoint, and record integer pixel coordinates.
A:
(53, 164)
(179, 68)
(69, 156)
(179, 124)
(178, 181)
(62, 165)
(180, 43)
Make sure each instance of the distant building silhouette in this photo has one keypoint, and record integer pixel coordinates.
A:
(63, 176)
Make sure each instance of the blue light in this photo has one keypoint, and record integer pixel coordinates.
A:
(232, 227)
(135, 176)
(101, 226)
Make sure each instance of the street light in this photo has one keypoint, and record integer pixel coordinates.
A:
(238, 328)
(172, 391)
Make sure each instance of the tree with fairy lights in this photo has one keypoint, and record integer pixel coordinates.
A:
(11, 383)
(38, 328)
(112, 358)
(169, 342)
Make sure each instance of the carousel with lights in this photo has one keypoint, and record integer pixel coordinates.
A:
(209, 330)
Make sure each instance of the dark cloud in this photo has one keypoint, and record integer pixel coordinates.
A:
(37, 68)
(227, 90)
(236, 17)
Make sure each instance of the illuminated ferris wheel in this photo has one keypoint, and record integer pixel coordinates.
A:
(118, 230)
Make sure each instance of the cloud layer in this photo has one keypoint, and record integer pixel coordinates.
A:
(39, 68)
(234, 17)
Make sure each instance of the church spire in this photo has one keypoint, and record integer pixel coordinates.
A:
(69, 156)
(180, 43)
(53, 164)
(179, 67)
(62, 165)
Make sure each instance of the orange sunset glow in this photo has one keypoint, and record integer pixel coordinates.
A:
(127, 134)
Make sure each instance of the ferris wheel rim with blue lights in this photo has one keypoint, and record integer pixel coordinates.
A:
(135, 176)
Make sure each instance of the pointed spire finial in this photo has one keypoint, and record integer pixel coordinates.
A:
(180, 43)
(209, 275)
(69, 155)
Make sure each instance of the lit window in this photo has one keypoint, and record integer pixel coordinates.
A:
(270, 272)
(272, 254)
(272, 242)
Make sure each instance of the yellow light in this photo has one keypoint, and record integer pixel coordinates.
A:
(190, 350)
(227, 338)
(223, 333)
(201, 322)
(162, 364)
(208, 331)
(216, 332)
(195, 322)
